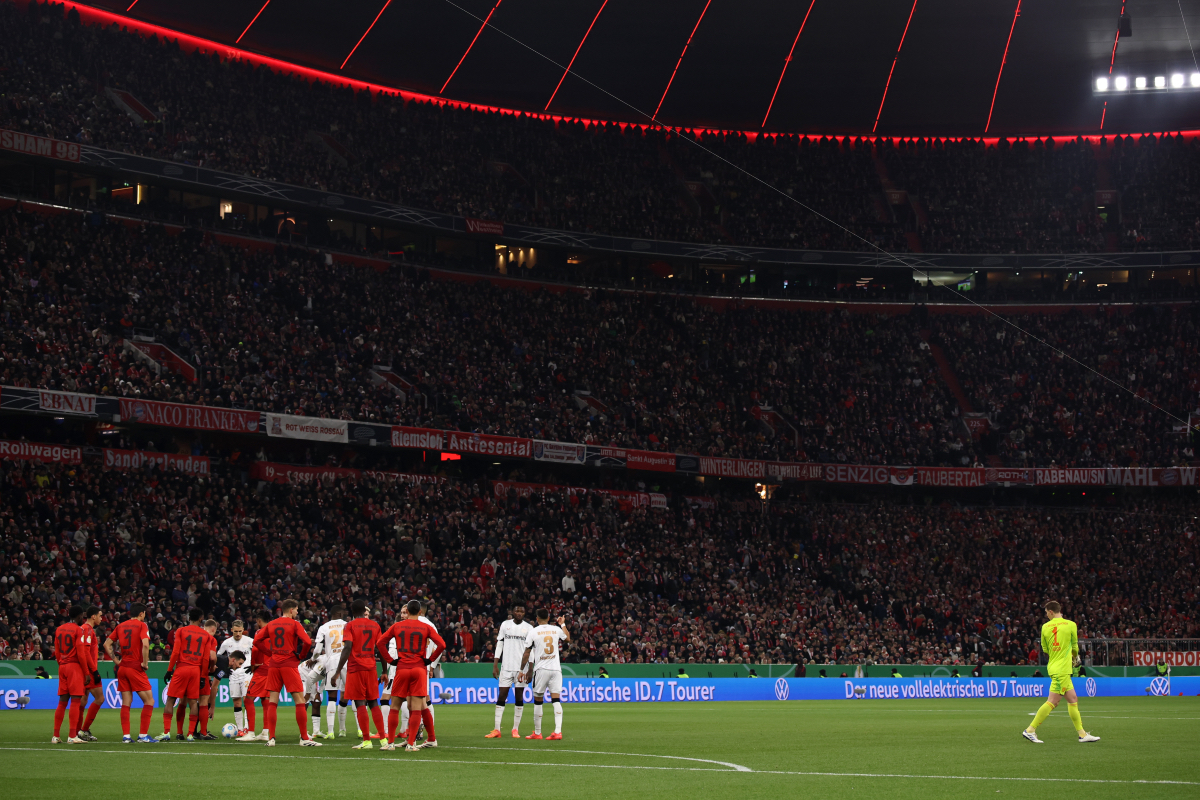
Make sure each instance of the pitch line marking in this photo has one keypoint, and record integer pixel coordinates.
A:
(630, 766)
(735, 767)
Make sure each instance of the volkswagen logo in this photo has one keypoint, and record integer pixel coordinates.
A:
(1159, 687)
(1090, 685)
(112, 695)
(781, 689)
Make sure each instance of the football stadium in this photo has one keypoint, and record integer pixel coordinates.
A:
(602, 399)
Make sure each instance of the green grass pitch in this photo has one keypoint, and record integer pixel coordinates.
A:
(1150, 747)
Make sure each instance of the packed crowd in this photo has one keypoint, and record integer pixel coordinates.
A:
(279, 330)
(1082, 389)
(962, 196)
(806, 584)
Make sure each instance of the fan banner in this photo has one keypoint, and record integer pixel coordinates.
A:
(1177, 658)
(418, 438)
(1118, 476)
(649, 461)
(138, 459)
(82, 405)
(36, 451)
(295, 474)
(561, 452)
(487, 445)
(312, 428)
(733, 467)
(177, 415)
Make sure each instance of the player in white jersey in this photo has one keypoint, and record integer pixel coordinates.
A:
(543, 647)
(327, 647)
(510, 646)
(312, 676)
(239, 679)
(429, 648)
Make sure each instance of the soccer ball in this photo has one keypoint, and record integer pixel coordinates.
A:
(229, 731)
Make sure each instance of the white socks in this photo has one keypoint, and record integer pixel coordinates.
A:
(316, 718)
(404, 717)
(238, 719)
(558, 717)
(341, 717)
(500, 717)
(537, 718)
(331, 708)
(517, 717)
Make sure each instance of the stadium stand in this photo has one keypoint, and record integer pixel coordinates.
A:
(926, 195)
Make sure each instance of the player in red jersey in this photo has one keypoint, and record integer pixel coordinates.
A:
(73, 652)
(289, 643)
(191, 657)
(208, 682)
(412, 674)
(359, 640)
(91, 684)
(257, 690)
(132, 637)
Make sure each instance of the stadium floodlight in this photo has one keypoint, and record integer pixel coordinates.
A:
(1195, 80)
(1160, 81)
(1121, 83)
(1139, 82)
(1177, 80)
(1101, 84)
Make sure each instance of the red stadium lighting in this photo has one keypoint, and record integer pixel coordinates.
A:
(472, 44)
(256, 16)
(572, 61)
(883, 99)
(680, 61)
(368, 30)
(787, 61)
(1003, 61)
(451, 457)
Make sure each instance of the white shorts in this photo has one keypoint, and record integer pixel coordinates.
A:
(509, 677)
(333, 682)
(312, 683)
(547, 680)
(238, 681)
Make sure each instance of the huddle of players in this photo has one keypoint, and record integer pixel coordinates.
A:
(344, 654)
(348, 649)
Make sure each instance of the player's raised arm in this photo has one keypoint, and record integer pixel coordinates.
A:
(562, 624)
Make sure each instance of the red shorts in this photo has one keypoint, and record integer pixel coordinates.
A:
(285, 678)
(89, 683)
(411, 682)
(132, 679)
(185, 683)
(205, 685)
(70, 680)
(362, 685)
(258, 683)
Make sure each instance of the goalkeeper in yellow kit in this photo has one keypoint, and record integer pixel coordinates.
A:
(1060, 643)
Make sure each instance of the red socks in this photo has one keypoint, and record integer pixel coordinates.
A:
(93, 709)
(167, 721)
(377, 716)
(147, 715)
(203, 720)
(179, 715)
(76, 717)
(250, 715)
(125, 720)
(427, 718)
(59, 713)
(302, 719)
(393, 723)
(364, 722)
(414, 725)
(269, 722)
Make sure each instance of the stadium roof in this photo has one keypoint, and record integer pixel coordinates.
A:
(895, 67)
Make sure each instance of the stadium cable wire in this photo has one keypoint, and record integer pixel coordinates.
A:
(1183, 19)
(681, 132)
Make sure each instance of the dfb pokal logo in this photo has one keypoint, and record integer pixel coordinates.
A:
(1159, 687)
(112, 694)
(1090, 686)
(781, 689)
